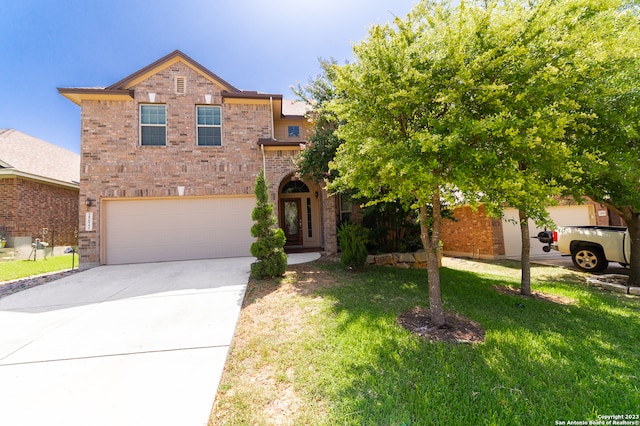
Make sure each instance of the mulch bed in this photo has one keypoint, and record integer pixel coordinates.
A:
(457, 329)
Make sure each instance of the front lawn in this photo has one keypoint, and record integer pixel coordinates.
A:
(322, 347)
(13, 270)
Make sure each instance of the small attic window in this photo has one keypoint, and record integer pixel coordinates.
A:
(181, 85)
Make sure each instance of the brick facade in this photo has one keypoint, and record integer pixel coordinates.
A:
(115, 165)
(473, 234)
(29, 206)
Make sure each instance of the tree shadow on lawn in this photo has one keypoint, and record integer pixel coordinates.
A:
(540, 361)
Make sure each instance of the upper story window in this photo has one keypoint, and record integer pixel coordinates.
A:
(209, 125)
(293, 131)
(153, 125)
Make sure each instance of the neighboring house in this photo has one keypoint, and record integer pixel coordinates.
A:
(476, 235)
(170, 155)
(39, 184)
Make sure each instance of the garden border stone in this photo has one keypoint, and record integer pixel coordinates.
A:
(613, 282)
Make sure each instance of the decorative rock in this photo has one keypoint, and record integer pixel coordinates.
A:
(420, 265)
(611, 282)
(618, 288)
(371, 259)
(385, 260)
(420, 256)
(634, 290)
(402, 265)
(594, 282)
(405, 257)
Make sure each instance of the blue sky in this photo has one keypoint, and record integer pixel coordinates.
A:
(263, 45)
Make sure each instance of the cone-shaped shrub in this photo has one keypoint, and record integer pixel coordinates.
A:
(269, 245)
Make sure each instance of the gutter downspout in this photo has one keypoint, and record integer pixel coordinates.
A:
(264, 159)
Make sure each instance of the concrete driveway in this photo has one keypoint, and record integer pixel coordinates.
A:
(120, 345)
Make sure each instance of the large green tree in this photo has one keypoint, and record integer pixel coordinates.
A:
(566, 75)
(399, 117)
(524, 78)
(615, 102)
(490, 99)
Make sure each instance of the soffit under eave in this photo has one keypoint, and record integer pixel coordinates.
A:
(78, 95)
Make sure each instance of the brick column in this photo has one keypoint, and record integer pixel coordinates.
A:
(329, 225)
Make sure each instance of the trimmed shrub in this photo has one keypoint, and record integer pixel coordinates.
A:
(269, 245)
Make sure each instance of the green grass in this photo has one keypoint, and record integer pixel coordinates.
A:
(335, 355)
(16, 269)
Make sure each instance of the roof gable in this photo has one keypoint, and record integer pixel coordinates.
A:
(162, 63)
(123, 90)
(35, 158)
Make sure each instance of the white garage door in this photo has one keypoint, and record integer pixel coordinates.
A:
(561, 215)
(137, 231)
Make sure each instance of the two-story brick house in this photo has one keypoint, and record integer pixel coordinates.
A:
(38, 194)
(169, 158)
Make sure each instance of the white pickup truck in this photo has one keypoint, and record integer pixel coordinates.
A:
(591, 247)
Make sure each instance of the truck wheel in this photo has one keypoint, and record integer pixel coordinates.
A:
(589, 259)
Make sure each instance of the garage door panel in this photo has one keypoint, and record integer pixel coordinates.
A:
(176, 229)
(576, 215)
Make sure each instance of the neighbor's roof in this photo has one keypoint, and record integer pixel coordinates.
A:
(292, 107)
(31, 157)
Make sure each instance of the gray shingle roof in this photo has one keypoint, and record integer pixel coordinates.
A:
(26, 154)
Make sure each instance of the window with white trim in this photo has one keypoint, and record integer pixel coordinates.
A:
(153, 125)
(209, 123)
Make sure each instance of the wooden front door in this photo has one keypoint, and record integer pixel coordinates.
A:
(291, 220)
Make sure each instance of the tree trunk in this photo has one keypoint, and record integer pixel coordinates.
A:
(431, 242)
(632, 218)
(525, 255)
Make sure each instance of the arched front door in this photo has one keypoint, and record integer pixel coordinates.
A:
(295, 205)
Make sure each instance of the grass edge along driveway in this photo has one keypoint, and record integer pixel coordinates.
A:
(321, 347)
(17, 269)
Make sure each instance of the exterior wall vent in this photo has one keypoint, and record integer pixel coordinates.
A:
(181, 85)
